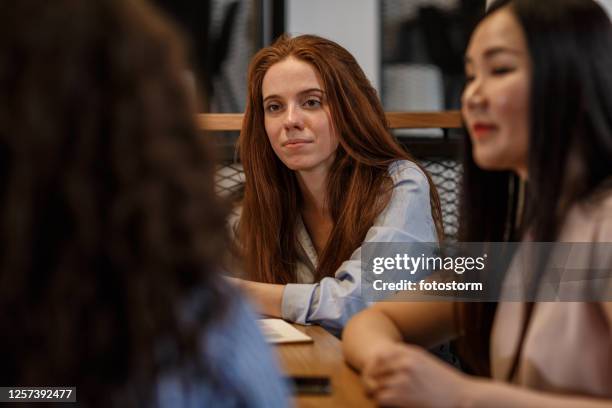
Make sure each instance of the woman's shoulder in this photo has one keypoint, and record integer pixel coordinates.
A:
(603, 200)
(604, 216)
(409, 207)
(402, 171)
(591, 220)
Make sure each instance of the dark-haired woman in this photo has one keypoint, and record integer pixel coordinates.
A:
(323, 175)
(107, 210)
(537, 106)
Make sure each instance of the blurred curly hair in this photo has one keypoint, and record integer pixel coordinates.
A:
(108, 215)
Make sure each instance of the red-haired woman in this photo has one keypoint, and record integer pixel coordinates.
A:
(323, 175)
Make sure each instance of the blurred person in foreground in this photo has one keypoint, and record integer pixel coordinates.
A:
(111, 230)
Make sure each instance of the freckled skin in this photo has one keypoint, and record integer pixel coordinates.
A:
(296, 109)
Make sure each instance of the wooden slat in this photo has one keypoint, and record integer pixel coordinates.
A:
(397, 120)
(220, 121)
(423, 120)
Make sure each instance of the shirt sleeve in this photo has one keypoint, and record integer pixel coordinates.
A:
(334, 300)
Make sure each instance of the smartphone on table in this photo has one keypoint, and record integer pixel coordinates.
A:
(310, 385)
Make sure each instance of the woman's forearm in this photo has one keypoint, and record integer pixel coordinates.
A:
(366, 333)
(423, 323)
(268, 297)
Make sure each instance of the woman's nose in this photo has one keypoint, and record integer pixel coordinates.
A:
(293, 117)
(473, 96)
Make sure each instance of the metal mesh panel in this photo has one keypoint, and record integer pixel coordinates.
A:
(446, 175)
(229, 178)
(444, 172)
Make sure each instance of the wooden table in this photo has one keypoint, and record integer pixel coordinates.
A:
(323, 357)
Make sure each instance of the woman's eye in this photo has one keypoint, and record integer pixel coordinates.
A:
(273, 107)
(501, 70)
(469, 78)
(312, 103)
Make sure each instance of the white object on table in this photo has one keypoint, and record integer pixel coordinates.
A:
(278, 331)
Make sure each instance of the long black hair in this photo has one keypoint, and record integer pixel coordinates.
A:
(108, 217)
(570, 134)
(570, 144)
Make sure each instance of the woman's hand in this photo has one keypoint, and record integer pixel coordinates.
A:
(402, 375)
(267, 297)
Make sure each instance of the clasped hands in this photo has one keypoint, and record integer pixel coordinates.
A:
(403, 375)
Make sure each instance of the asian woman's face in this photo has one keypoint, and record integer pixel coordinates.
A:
(495, 102)
(297, 117)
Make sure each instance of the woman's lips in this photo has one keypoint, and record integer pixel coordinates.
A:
(480, 130)
(293, 143)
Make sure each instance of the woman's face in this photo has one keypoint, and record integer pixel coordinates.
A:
(495, 102)
(297, 117)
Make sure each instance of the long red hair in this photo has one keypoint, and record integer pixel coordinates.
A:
(359, 186)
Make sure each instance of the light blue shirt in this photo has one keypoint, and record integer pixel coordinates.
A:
(334, 300)
(245, 367)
